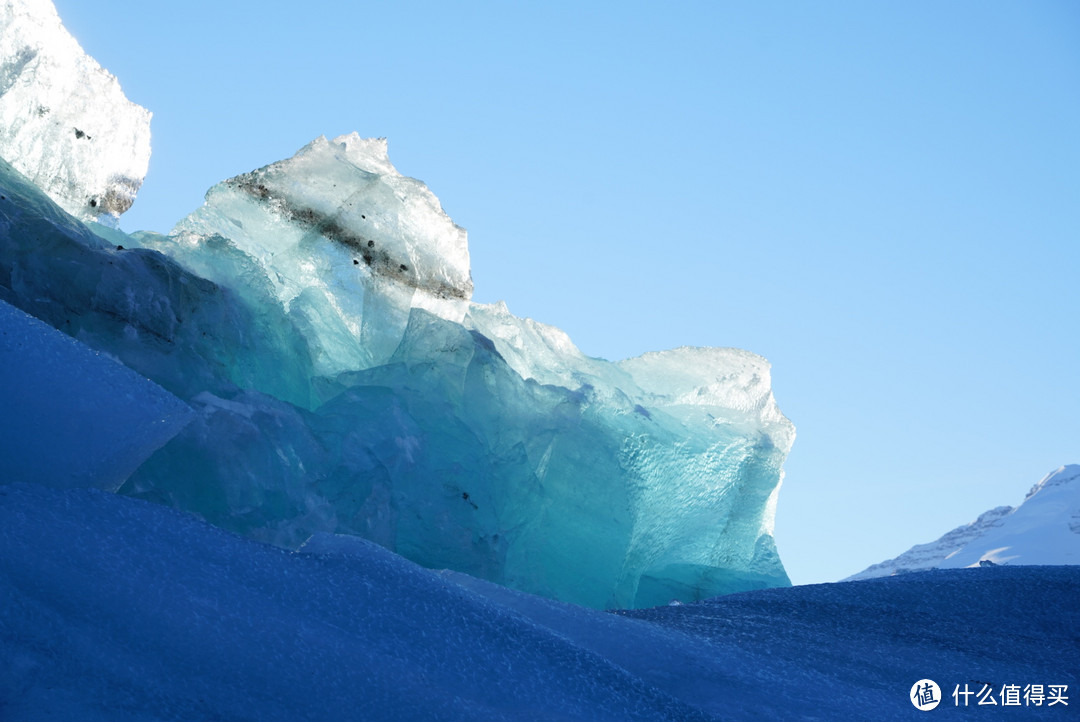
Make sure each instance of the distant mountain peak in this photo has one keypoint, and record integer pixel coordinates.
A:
(1044, 529)
(1068, 474)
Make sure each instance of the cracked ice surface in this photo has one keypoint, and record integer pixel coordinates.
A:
(64, 121)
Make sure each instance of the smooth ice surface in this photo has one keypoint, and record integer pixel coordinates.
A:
(71, 416)
(1044, 529)
(64, 122)
(115, 608)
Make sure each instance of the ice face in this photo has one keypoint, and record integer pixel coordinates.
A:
(71, 416)
(682, 451)
(315, 315)
(448, 456)
(186, 333)
(348, 245)
(702, 443)
(64, 122)
(491, 446)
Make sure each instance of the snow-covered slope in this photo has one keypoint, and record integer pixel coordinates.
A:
(1044, 529)
(76, 417)
(64, 122)
(115, 608)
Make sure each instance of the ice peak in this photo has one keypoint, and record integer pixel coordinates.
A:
(64, 121)
(348, 192)
(369, 154)
(347, 243)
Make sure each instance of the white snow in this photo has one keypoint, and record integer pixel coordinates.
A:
(1044, 529)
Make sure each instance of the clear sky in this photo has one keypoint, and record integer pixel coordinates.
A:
(883, 199)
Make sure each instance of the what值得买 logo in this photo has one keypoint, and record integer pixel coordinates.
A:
(925, 695)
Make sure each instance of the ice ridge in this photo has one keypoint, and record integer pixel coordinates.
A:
(64, 121)
(315, 316)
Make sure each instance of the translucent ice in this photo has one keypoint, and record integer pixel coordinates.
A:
(64, 122)
(347, 244)
(701, 443)
(183, 331)
(362, 405)
(71, 416)
(315, 315)
(448, 456)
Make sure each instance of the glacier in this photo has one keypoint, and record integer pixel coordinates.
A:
(316, 317)
(345, 243)
(299, 372)
(333, 396)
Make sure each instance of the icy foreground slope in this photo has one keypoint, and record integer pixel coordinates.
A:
(64, 122)
(1044, 529)
(71, 417)
(119, 609)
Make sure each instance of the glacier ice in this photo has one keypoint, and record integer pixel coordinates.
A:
(169, 324)
(72, 417)
(64, 121)
(316, 316)
(462, 437)
(448, 456)
(347, 244)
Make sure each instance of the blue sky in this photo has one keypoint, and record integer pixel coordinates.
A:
(881, 199)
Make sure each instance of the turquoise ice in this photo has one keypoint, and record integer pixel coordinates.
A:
(315, 314)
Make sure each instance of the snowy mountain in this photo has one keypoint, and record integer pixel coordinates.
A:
(1044, 529)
